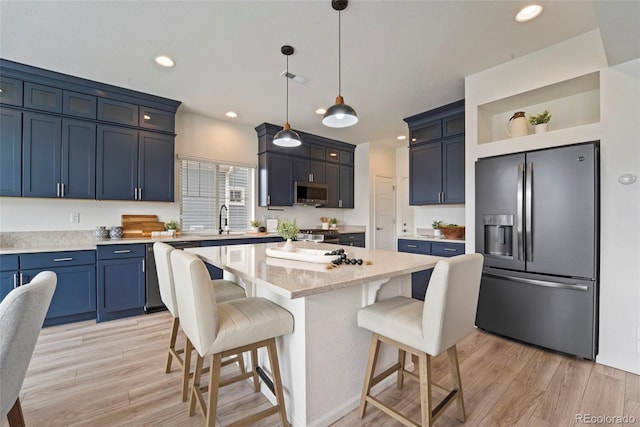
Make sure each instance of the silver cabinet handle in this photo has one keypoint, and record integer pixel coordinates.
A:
(135, 193)
(310, 177)
(339, 203)
(572, 287)
(21, 282)
(519, 211)
(143, 265)
(122, 251)
(450, 250)
(62, 185)
(268, 200)
(528, 219)
(139, 193)
(412, 246)
(58, 190)
(15, 280)
(62, 259)
(351, 237)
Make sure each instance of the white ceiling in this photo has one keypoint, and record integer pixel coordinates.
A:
(399, 58)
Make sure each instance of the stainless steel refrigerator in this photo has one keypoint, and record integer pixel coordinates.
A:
(537, 224)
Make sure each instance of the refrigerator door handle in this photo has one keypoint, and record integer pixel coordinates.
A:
(519, 207)
(528, 215)
(572, 287)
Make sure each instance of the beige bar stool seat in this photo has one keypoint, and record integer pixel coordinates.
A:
(424, 329)
(226, 290)
(220, 330)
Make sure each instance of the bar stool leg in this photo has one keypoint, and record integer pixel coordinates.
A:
(452, 352)
(371, 365)
(254, 366)
(401, 361)
(195, 387)
(186, 367)
(275, 367)
(424, 366)
(172, 342)
(214, 388)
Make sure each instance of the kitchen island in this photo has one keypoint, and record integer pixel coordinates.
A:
(323, 361)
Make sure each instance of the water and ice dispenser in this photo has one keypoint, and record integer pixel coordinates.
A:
(498, 235)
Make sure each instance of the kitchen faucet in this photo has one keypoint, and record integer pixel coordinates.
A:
(226, 220)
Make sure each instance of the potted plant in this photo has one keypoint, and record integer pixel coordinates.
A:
(288, 230)
(333, 222)
(540, 121)
(436, 228)
(255, 224)
(453, 231)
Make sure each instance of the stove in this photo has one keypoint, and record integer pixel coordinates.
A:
(330, 236)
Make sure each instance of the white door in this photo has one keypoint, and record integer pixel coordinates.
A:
(384, 215)
(406, 210)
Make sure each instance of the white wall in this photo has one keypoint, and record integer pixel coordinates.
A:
(619, 133)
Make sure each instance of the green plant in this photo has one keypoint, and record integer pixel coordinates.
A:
(333, 220)
(171, 225)
(436, 224)
(451, 226)
(541, 118)
(287, 229)
(255, 223)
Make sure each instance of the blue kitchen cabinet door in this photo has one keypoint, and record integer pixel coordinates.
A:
(117, 163)
(11, 91)
(41, 157)
(346, 187)
(78, 159)
(332, 179)
(10, 152)
(120, 288)
(419, 283)
(155, 167)
(41, 97)
(275, 179)
(75, 295)
(8, 280)
(425, 173)
(453, 169)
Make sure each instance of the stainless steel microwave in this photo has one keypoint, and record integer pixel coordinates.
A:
(310, 193)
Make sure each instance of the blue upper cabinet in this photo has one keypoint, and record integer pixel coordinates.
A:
(70, 151)
(113, 111)
(275, 179)
(10, 152)
(117, 163)
(10, 91)
(41, 97)
(436, 156)
(155, 167)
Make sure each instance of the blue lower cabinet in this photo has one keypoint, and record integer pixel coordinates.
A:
(75, 295)
(8, 280)
(419, 282)
(121, 281)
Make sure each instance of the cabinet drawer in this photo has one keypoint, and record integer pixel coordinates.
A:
(447, 249)
(79, 104)
(56, 259)
(117, 112)
(414, 246)
(40, 97)
(10, 91)
(120, 251)
(151, 118)
(8, 262)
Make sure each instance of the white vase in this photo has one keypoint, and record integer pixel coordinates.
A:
(288, 246)
(437, 232)
(541, 128)
(325, 225)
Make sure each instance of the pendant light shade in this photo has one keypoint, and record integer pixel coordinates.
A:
(339, 115)
(287, 137)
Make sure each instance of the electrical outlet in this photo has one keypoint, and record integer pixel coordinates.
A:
(75, 218)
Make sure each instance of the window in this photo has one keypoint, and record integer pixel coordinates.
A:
(206, 187)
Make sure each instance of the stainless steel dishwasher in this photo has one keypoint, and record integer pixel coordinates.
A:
(152, 301)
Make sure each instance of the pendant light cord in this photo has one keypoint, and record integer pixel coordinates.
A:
(286, 77)
(339, 56)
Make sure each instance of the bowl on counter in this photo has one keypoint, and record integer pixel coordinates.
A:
(453, 232)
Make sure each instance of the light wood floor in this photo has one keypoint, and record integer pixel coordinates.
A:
(112, 374)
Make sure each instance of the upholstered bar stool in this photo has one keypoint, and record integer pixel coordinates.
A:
(424, 329)
(220, 330)
(225, 291)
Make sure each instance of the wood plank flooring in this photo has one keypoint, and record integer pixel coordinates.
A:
(112, 374)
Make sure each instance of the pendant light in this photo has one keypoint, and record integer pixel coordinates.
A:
(339, 115)
(287, 137)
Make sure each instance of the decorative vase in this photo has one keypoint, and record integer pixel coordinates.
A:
(254, 229)
(325, 225)
(517, 125)
(437, 232)
(116, 232)
(288, 246)
(102, 232)
(541, 128)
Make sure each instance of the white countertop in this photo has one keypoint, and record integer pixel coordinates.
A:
(295, 279)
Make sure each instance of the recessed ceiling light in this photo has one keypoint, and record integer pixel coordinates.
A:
(401, 137)
(165, 61)
(231, 114)
(527, 13)
(321, 111)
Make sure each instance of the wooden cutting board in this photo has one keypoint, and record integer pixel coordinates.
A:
(140, 225)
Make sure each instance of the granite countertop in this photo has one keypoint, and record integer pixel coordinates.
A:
(60, 241)
(296, 279)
